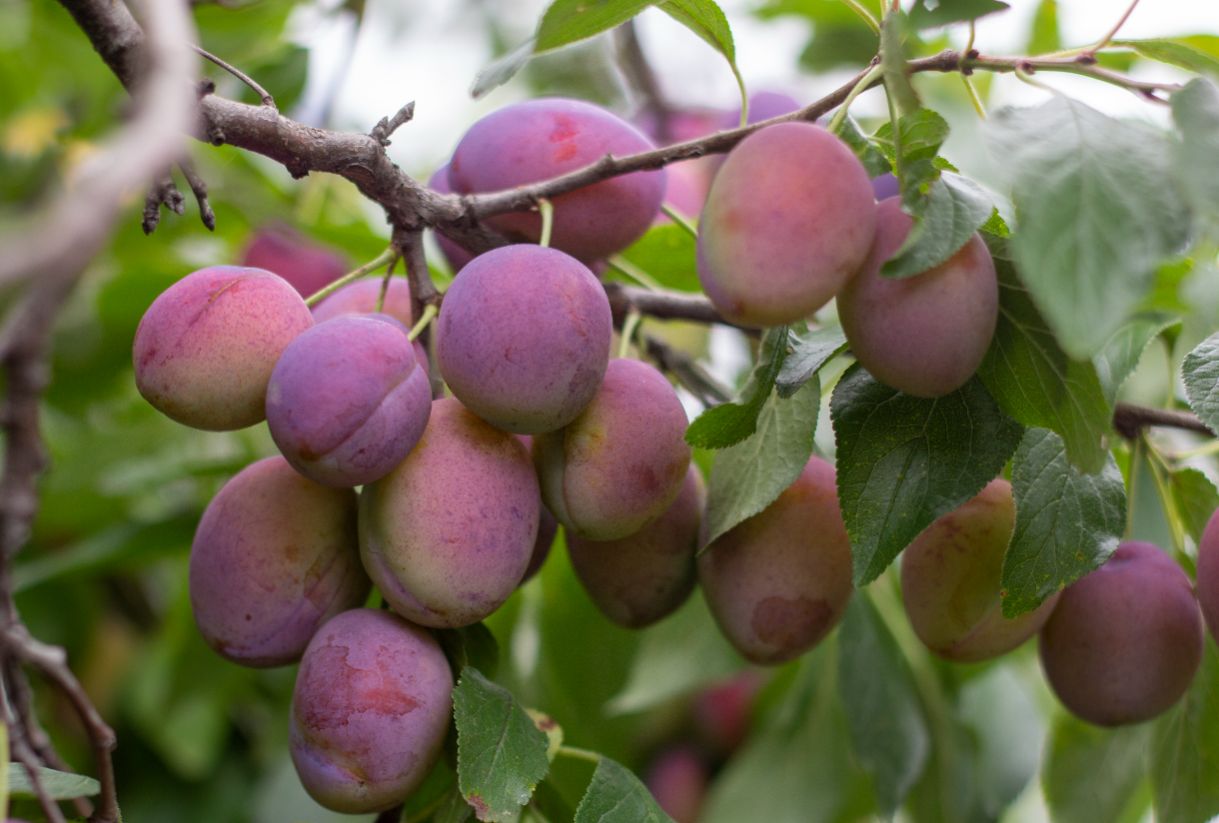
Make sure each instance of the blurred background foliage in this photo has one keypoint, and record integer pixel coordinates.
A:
(105, 573)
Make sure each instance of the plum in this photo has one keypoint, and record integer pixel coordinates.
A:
(1124, 642)
(370, 711)
(524, 337)
(789, 219)
(950, 581)
(638, 579)
(721, 713)
(347, 400)
(779, 582)
(361, 297)
(1208, 574)
(205, 348)
(885, 186)
(621, 463)
(455, 254)
(678, 779)
(274, 557)
(288, 253)
(539, 139)
(924, 335)
(447, 535)
(548, 528)
(763, 105)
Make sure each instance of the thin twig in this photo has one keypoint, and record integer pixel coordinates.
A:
(1129, 420)
(1109, 35)
(263, 94)
(162, 193)
(386, 126)
(199, 188)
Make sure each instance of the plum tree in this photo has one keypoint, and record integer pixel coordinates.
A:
(638, 579)
(447, 535)
(622, 461)
(1124, 642)
(540, 362)
(370, 711)
(925, 335)
(539, 139)
(274, 557)
(763, 265)
(205, 348)
(284, 251)
(950, 580)
(780, 581)
(347, 400)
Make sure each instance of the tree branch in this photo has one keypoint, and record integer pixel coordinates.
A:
(1129, 420)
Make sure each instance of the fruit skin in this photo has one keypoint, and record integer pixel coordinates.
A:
(370, 711)
(778, 583)
(548, 527)
(885, 186)
(347, 400)
(288, 253)
(523, 339)
(621, 463)
(274, 557)
(678, 778)
(361, 297)
(643, 577)
(539, 139)
(924, 335)
(455, 254)
(1124, 642)
(447, 535)
(205, 348)
(763, 105)
(950, 581)
(789, 219)
(1208, 575)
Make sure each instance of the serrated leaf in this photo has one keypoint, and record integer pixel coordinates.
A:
(1184, 755)
(1096, 209)
(1198, 53)
(1067, 522)
(809, 353)
(615, 795)
(751, 475)
(472, 645)
(1035, 382)
(676, 656)
(1195, 499)
(904, 461)
(953, 211)
(1195, 109)
(501, 754)
(873, 159)
(706, 19)
(1076, 754)
(1201, 375)
(57, 785)
(888, 731)
(729, 423)
(570, 21)
(1122, 352)
(547, 726)
(943, 12)
(918, 138)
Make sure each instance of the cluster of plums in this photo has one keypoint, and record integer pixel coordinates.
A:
(459, 495)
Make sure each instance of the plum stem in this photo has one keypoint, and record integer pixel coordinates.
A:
(679, 219)
(389, 255)
(576, 753)
(429, 314)
(546, 208)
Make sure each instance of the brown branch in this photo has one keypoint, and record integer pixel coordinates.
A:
(1129, 420)
(162, 193)
(687, 370)
(386, 126)
(199, 188)
(664, 305)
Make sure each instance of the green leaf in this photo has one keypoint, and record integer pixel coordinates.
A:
(1195, 499)
(748, 477)
(920, 136)
(1035, 382)
(453, 809)
(1121, 354)
(472, 645)
(1044, 34)
(58, 785)
(904, 461)
(617, 796)
(808, 355)
(954, 209)
(1097, 213)
(1185, 751)
(1067, 522)
(667, 253)
(501, 754)
(1201, 374)
(893, 34)
(1195, 109)
(706, 19)
(873, 159)
(729, 423)
(500, 71)
(943, 12)
(1198, 53)
(1078, 752)
(888, 731)
(569, 21)
(676, 656)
